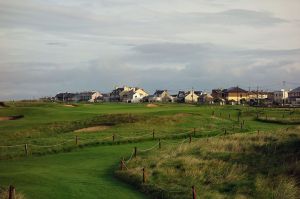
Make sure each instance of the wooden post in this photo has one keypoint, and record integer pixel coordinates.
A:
(190, 138)
(220, 114)
(241, 125)
(194, 192)
(243, 122)
(122, 164)
(76, 140)
(225, 131)
(153, 131)
(11, 192)
(135, 151)
(258, 132)
(159, 144)
(26, 149)
(229, 116)
(213, 113)
(194, 131)
(144, 176)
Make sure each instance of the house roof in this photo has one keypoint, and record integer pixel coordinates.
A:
(159, 92)
(235, 89)
(195, 92)
(65, 95)
(295, 90)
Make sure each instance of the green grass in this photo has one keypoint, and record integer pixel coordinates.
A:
(86, 170)
(86, 173)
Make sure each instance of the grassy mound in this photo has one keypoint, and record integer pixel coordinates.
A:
(261, 165)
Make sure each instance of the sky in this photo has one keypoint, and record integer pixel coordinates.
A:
(51, 46)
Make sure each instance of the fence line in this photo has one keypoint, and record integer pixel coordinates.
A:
(149, 149)
(45, 146)
(12, 146)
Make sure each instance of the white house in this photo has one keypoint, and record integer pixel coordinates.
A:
(281, 97)
(134, 96)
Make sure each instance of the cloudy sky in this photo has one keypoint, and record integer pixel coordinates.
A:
(49, 46)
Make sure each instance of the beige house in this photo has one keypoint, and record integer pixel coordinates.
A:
(206, 99)
(253, 95)
(160, 96)
(192, 96)
(125, 90)
(235, 94)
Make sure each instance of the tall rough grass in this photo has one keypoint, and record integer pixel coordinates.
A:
(4, 194)
(235, 166)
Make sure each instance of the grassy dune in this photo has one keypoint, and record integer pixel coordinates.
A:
(254, 165)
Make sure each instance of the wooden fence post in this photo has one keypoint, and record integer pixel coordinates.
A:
(243, 122)
(11, 192)
(144, 176)
(153, 132)
(190, 138)
(241, 125)
(194, 192)
(122, 164)
(76, 140)
(225, 131)
(220, 114)
(213, 113)
(26, 149)
(135, 151)
(159, 144)
(258, 131)
(229, 116)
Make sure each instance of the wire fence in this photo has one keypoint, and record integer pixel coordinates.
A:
(151, 134)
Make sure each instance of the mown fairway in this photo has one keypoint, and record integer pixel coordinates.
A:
(57, 167)
(87, 173)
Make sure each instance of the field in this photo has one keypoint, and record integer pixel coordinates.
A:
(74, 150)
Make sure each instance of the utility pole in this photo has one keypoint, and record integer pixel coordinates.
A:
(283, 94)
(237, 94)
(193, 94)
(257, 96)
(249, 93)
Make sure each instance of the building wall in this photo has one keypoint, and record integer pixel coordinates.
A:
(191, 97)
(237, 96)
(281, 97)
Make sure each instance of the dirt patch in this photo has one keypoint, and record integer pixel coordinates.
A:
(182, 115)
(69, 105)
(152, 105)
(16, 117)
(93, 129)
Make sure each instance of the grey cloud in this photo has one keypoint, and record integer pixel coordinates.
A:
(56, 44)
(234, 17)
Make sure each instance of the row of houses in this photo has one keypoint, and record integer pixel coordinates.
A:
(233, 95)
(236, 95)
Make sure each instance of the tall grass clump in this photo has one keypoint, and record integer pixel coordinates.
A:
(261, 165)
